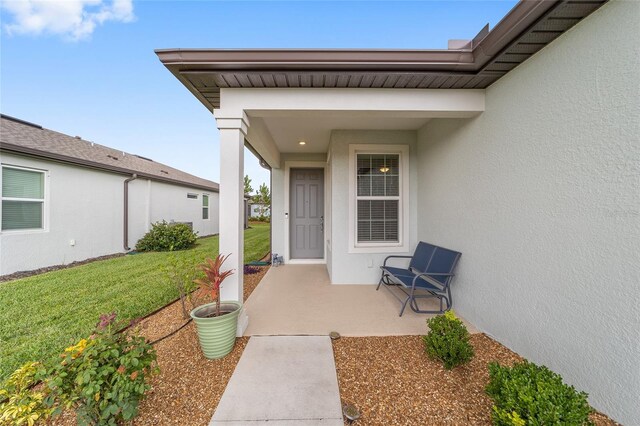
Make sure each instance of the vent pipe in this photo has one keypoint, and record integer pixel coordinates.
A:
(125, 230)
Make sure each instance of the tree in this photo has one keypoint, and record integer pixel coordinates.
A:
(263, 196)
(247, 185)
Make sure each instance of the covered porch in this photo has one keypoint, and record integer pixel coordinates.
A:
(300, 300)
(315, 141)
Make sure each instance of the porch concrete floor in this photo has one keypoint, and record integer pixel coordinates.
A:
(300, 300)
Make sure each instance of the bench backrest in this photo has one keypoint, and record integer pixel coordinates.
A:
(434, 259)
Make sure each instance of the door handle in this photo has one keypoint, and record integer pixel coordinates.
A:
(322, 223)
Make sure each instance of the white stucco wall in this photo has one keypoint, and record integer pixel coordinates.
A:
(86, 205)
(75, 207)
(541, 194)
(363, 268)
(183, 209)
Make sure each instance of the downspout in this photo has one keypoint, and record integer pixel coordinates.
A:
(125, 230)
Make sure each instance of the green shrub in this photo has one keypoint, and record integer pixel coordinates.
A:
(448, 340)
(165, 236)
(527, 394)
(103, 377)
(23, 403)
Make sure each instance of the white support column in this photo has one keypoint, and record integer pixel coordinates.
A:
(232, 136)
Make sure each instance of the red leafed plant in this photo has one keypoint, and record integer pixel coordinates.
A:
(210, 284)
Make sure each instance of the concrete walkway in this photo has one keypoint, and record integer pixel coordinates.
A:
(283, 380)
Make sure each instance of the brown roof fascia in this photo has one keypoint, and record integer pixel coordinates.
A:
(94, 165)
(314, 59)
(521, 17)
(517, 21)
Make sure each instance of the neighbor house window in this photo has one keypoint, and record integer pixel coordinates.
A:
(205, 206)
(378, 211)
(22, 198)
(192, 196)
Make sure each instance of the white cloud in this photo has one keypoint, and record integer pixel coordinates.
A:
(72, 19)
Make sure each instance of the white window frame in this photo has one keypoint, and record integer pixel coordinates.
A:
(208, 207)
(402, 245)
(44, 201)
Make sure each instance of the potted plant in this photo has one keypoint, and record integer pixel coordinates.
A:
(217, 321)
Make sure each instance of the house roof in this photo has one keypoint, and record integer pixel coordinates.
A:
(476, 64)
(31, 139)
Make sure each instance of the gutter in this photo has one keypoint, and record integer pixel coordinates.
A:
(469, 59)
(125, 228)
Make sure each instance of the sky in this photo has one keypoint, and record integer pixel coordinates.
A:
(88, 67)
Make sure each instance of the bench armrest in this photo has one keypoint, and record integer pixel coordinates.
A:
(395, 256)
(427, 277)
(439, 274)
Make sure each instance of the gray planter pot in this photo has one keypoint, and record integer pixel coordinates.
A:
(217, 335)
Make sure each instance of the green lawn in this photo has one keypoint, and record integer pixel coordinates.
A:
(43, 314)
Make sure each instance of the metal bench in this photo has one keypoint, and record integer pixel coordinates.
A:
(429, 274)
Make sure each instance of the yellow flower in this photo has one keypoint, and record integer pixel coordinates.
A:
(77, 349)
(97, 396)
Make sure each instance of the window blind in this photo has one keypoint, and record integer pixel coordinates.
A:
(22, 199)
(18, 183)
(21, 215)
(378, 197)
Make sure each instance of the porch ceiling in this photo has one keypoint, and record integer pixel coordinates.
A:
(314, 128)
(279, 119)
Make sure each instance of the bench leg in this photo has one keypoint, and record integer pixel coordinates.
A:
(404, 305)
(380, 282)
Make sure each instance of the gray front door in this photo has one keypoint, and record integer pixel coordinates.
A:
(306, 218)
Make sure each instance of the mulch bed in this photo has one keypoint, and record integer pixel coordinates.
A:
(25, 274)
(390, 379)
(392, 382)
(189, 386)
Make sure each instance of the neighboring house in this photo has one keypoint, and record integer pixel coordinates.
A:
(64, 198)
(259, 209)
(519, 148)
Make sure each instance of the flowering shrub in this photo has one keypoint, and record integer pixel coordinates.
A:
(103, 377)
(23, 404)
(448, 340)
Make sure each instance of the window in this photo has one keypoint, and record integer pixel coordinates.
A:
(22, 198)
(377, 198)
(378, 207)
(192, 196)
(205, 206)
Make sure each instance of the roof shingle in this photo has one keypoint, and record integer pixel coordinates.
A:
(20, 136)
